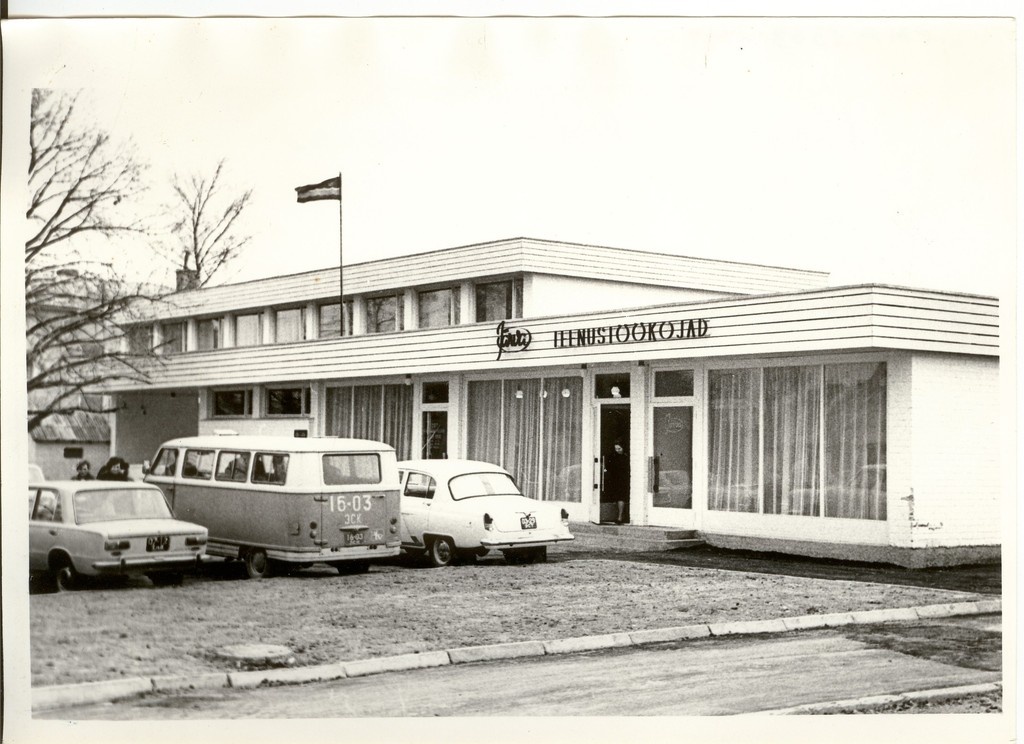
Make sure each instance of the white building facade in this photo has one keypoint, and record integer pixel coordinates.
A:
(758, 406)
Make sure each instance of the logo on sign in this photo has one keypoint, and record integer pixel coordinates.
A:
(512, 339)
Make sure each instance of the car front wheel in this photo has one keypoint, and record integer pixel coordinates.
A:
(442, 552)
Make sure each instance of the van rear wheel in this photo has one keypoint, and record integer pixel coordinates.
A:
(257, 565)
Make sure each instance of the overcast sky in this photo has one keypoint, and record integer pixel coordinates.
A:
(876, 149)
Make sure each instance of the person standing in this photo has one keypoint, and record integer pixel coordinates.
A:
(616, 480)
(115, 469)
(83, 471)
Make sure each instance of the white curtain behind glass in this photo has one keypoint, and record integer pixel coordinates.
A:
(290, 326)
(338, 418)
(563, 438)
(733, 447)
(483, 424)
(792, 412)
(366, 412)
(522, 434)
(855, 440)
(398, 419)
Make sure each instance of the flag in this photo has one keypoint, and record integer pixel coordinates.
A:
(329, 189)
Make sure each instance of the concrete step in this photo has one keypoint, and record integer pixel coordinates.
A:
(631, 538)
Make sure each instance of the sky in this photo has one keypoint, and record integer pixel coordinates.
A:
(879, 150)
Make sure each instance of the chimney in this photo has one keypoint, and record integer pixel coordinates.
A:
(186, 279)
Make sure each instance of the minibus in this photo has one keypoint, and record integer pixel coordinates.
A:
(281, 503)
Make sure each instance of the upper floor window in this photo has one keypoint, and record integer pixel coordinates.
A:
(384, 314)
(173, 335)
(232, 402)
(208, 334)
(332, 324)
(290, 325)
(140, 339)
(499, 300)
(439, 308)
(248, 329)
(288, 401)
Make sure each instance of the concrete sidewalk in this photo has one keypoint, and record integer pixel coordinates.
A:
(59, 696)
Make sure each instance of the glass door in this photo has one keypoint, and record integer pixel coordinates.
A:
(671, 475)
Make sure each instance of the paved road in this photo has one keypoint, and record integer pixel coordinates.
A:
(706, 677)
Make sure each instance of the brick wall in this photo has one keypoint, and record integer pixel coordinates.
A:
(955, 457)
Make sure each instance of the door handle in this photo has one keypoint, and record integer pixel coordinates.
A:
(655, 474)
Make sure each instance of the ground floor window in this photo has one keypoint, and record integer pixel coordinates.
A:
(382, 413)
(800, 440)
(533, 428)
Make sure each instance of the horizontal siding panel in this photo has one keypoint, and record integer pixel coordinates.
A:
(827, 320)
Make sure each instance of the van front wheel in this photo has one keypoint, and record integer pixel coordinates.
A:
(257, 565)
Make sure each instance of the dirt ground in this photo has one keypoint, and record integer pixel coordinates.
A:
(134, 629)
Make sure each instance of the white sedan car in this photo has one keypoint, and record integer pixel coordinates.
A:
(453, 508)
(108, 528)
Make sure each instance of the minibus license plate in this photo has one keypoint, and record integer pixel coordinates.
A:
(529, 522)
(355, 538)
(159, 542)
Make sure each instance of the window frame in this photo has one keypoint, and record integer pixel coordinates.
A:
(216, 323)
(823, 474)
(399, 299)
(259, 329)
(454, 305)
(305, 401)
(345, 327)
(167, 348)
(301, 336)
(246, 403)
(513, 299)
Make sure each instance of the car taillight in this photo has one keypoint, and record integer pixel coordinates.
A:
(565, 517)
(488, 522)
(113, 545)
(195, 540)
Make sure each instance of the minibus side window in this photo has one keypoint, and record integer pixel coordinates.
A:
(198, 464)
(270, 468)
(351, 469)
(232, 466)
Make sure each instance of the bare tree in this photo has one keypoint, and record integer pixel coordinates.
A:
(81, 187)
(206, 229)
(77, 178)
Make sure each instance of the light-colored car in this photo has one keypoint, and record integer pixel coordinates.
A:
(108, 528)
(463, 508)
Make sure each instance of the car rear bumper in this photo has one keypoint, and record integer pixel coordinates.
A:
(499, 542)
(147, 564)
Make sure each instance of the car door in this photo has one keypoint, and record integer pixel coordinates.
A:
(417, 495)
(44, 527)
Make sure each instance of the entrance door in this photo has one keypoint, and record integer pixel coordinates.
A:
(672, 465)
(612, 464)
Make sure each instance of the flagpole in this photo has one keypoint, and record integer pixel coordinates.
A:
(341, 258)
